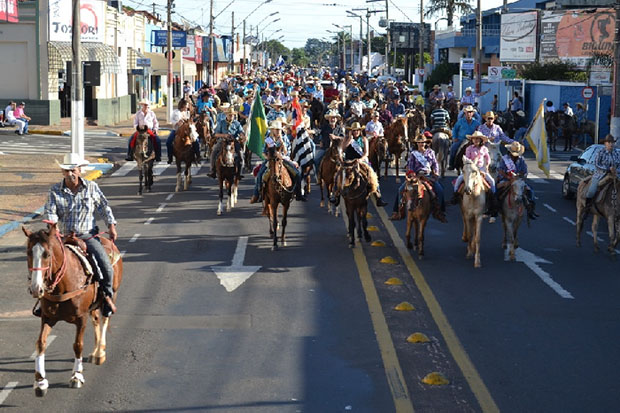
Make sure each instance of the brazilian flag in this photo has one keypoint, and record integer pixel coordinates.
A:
(258, 127)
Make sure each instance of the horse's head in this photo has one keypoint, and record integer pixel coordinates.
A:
(228, 152)
(471, 177)
(40, 253)
(351, 171)
(517, 188)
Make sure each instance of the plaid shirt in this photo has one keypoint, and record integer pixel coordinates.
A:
(605, 160)
(76, 212)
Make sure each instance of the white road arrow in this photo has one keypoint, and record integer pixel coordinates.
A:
(233, 276)
(532, 260)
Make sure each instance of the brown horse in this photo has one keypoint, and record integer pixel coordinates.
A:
(552, 125)
(396, 135)
(144, 155)
(416, 123)
(279, 190)
(227, 174)
(58, 279)
(203, 127)
(512, 214)
(606, 205)
(452, 106)
(569, 129)
(377, 153)
(355, 191)
(327, 169)
(419, 206)
(184, 153)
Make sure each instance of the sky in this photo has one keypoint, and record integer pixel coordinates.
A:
(298, 19)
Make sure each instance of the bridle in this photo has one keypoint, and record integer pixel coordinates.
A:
(48, 269)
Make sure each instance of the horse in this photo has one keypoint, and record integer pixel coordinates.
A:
(203, 127)
(506, 121)
(419, 206)
(396, 135)
(183, 152)
(355, 193)
(606, 205)
(316, 113)
(377, 153)
(416, 123)
(512, 213)
(144, 155)
(552, 124)
(279, 190)
(227, 174)
(473, 205)
(496, 156)
(452, 106)
(569, 129)
(441, 145)
(585, 130)
(58, 279)
(327, 169)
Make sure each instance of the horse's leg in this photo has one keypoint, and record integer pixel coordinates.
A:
(284, 215)
(77, 378)
(478, 229)
(367, 236)
(320, 182)
(420, 236)
(235, 189)
(351, 216)
(511, 240)
(188, 175)
(581, 212)
(95, 317)
(505, 238)
(221, 198)
(397, 158)
(229, 201)
(273, 215)
(408, 231)
(149, 171)
(386, 167)
(40, 382)
(140, 181)
(102, 343)
(179, 177)
(594, 232)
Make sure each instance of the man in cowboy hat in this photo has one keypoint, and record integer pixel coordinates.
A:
(492, 130)
(228, 127)
(72, 204)
(436, 96)
(145, 117)
(469, 98)
(275, 111)
(607, 160)
(463, 127)
(512, 165)
(396, 108)
(374, 128)
(330, 130)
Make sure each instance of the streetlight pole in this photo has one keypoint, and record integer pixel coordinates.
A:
(615, 99)
(421, 36)
(170, 75)
(211, 42)
(77, 100)
(478, 46)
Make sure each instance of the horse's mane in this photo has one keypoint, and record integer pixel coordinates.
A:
(40, 236)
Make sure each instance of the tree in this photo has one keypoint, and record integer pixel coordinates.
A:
(274, 48)
(377, 44)
(299, 58)
(316, 48)
(449, 8)
(442, 73)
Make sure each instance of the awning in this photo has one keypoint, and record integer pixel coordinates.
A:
(159, 64)
(61, 52)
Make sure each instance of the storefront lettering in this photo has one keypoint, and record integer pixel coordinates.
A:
(66, 28)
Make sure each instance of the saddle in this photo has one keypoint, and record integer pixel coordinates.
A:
(442, 130)
(603, 187)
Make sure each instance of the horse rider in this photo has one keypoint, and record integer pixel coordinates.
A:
(396, 108)
(355, 146)
(374, 128)
(469, 98)
(479, 154)
(181, 113)
(385, 116)
(493, 131)
(357, 107)
(440, 118)
(72, 203)
(607, 160)
(513, 165)
(275, 112)
(423, 163)
(189, 91)
(417, 98)
(449, 94)
(372, 85)
(275, 138)
(463, 127)
(567, 109)
(145, 117)
(436, 96)
(227, 127)
(332, 129)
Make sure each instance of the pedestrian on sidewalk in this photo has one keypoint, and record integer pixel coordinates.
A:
(20, 115)
(12, 120)
(145, 117)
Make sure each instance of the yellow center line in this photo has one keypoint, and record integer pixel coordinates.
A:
(393, 371)
(454, 345)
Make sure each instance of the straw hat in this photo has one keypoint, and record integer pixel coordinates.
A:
(332, 114)
(469, 108)
(436, 87)
(230, 111)
(477, 134)
(276, 124)
(515, 148)
(333, 104)
(145, 102)
(277, 102)
(294, 93)
(355, 126)
(283, 122)
(490, 114)
(421, 139)
(469, 89)
(72, 161)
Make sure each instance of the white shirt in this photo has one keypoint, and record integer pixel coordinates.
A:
(10, 115)
(357, 108)
(569, 111)
(177, 116)
(374, 127)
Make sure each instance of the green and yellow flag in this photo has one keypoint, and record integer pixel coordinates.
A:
(258, 127)
(536, 135)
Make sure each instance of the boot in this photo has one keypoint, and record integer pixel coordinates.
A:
(36, 312)
(531, 213)
(108, 308)
(212, 174)
(299, 196)
(381, 202)
(129, 156)
(169, 160)
(438, 214)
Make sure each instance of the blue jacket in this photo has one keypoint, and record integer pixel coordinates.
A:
(462, 128)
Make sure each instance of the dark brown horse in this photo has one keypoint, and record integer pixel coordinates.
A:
(552, 125)
(59, 281)
(327, 169)
(227, 174)
(377, 153)
(452, 106)
(416, 123)
(279, 191)
(184, 153)
(569, 129)
(355, 191)
(203, 127)
(419, 206)
(397, 135)
(144, 154)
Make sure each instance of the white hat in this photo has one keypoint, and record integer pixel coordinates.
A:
(72, 161)
(276, 124)
(469, 88)
(145, 102)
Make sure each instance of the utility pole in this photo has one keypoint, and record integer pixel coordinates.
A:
(232, 44)
(243, 65)
(387, 39)
(478, 65)
(615, 99)
(368, 40)
(169, 100)
(352, 61)
(77, 100)
(344, 50)
(421, 34)
(211, 42)
(153, 4)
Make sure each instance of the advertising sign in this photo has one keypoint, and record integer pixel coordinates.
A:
(600, 78)
(501, 73)
(92, 20)
(220, 50)
(179, 38)
(146, 62)
(189, 51)
(576, 36)
(8, 11)
(198, 47)
(518, 37)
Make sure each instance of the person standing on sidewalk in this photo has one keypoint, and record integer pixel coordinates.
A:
(145, 117)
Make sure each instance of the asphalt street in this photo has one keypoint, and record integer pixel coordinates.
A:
(304, 333)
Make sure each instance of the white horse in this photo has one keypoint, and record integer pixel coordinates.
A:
(496, 157)
(512, 213)
(473, 205)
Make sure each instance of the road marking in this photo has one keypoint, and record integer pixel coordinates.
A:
(124, 170)
(232, 276)
(481, 392)
(550, 208)
(169, 197)
(134, 238)
(50, 339)
(570, 221)
(531, 260)
(161, 207)
(159, 168)
(7, 390)
(195, 169)
(123, 253)
(394, 373)
(148, 221)
(556, 175)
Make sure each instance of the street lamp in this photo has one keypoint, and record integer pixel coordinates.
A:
(344, 51)
(243, 22)
(351, 14)
(337, 46)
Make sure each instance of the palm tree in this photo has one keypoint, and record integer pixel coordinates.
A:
(449, 7)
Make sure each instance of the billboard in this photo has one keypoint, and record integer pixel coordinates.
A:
(575, 36)
(92, 20)
(8, 11)
(518, 37)
(198, 48)
(221, 49)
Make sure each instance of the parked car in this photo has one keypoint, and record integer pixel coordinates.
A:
(581, 168)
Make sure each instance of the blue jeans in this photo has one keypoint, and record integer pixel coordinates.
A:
(263, 169)
(453, 150)
(318, 155)
(157, 148)
(170, 142)
(593, 186)
(25, 124)
(96, 250)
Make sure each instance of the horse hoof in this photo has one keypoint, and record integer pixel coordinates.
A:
(421, 255)
(322, 204)
(75, 383)
(477, 265)
(219, 212)
(40, 392)
(284, 243)
(98, 361)
(274, 248)
(139, 192)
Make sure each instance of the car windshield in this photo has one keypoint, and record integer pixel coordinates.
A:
(589, 154)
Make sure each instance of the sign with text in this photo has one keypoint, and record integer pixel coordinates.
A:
(518, 37)
(467, 63)
(587, 92)
(92, 20)
(501, 73)
(8, 11)
(600, 78)
(145, 62)
(179, 38)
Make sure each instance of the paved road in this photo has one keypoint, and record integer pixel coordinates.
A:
(304, 333)
(96, 144)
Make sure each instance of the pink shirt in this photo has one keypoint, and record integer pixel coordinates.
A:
(480, 155)
(150, 120)
(18, 112)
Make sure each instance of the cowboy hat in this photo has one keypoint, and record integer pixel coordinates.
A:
(477, 134)
(515, 148)
(294, 93)
(436, 87)
(277, 102)
(490, 114)
(469, 89)
(283, 122)
(276, 124)
(609, 138)
(469, 108)
(230, 110)
(355, 126)
(72, 161)
(333, 104)
(145, 102)
(421, 139)
(332, 114)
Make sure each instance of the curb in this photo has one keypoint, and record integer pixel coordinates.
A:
(44, 132)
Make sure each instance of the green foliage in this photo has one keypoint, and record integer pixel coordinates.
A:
(315, 49)
(298, 57)
(274, 48)
(400, 59)
(442, 73)
(449, 8)
(554, 70)
(377, 44)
